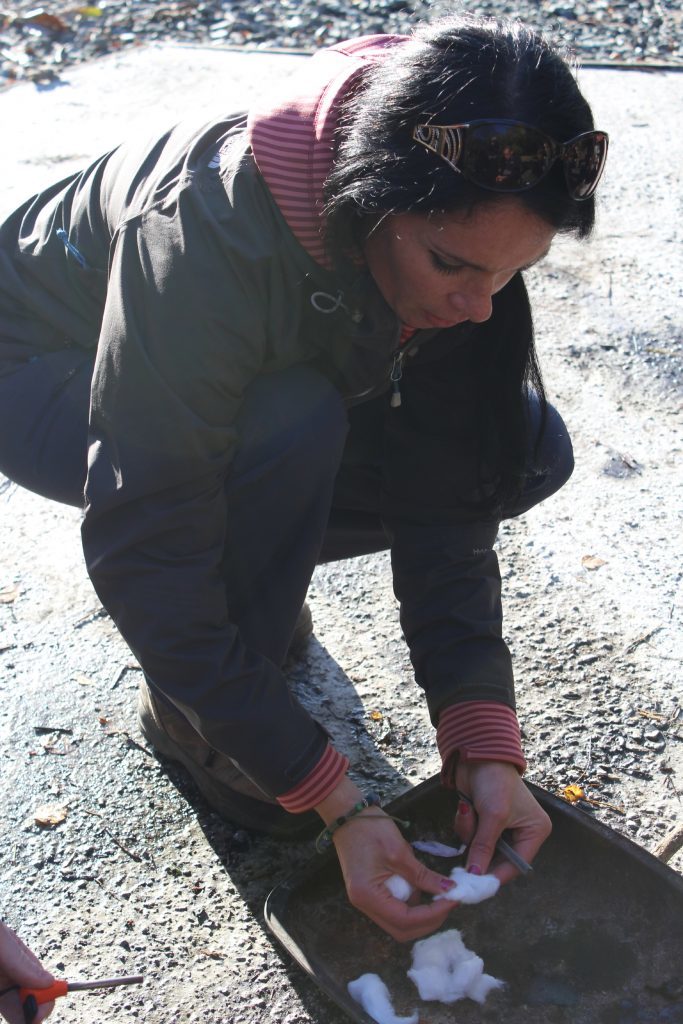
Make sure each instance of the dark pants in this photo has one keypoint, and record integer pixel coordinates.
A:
(293, 500)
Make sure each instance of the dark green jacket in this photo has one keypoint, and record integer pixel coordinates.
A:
(183, 276)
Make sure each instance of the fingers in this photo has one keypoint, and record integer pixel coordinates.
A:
(18, 963)
(10, 1008)
(19, 966)
(414, 920)
(368, 858)
(403, 922)
(525, 841)
(506, 871)
(420, 876)
(503, 805)
(483, 843)
(465, 822)
(12, 1011)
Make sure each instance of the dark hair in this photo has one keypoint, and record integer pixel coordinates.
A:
(453, 70)
(456, 69)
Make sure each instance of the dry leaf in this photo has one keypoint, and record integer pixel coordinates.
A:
(573, 793)
(8, 595)
(83, 680)
(376, 716)
(62, 751)
(51, 22)
(592, 562)
(102, 720)
(48, 815)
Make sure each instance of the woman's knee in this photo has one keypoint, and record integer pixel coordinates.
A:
(550, 461)
(294, 418)
(555, 455)
(44, 425)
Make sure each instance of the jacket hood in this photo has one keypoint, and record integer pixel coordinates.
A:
(293, 135)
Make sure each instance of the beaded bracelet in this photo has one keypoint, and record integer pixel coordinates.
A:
(324, 840)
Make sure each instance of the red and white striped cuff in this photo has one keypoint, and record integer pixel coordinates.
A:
(318, 784)
(478, 730)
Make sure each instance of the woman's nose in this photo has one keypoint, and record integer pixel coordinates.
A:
(474, 303)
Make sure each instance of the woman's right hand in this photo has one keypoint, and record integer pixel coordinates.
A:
(502, 803)
(371, 849)
(19, 967)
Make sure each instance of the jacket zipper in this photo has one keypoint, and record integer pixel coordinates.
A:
(395, 377)
(397, 373)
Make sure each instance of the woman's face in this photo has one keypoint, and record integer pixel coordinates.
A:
(441, 270)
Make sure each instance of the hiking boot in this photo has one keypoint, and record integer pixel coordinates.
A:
(218, 778)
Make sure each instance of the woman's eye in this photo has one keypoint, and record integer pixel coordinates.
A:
(443, 266)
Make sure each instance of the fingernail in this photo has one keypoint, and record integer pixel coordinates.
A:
(463, 808)
(474, 869)
(446, 884)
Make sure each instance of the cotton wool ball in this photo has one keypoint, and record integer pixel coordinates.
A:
(464, 976)
(438, 849)
(470, 888)
(370, 991)
(399, 887)
(444, 969)
(481, 987)
(432, 951)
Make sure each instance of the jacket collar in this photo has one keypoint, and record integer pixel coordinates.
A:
(293, 136)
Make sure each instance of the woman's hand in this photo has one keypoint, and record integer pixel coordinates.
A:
(18, 966)
(501, 802)
(371, 849)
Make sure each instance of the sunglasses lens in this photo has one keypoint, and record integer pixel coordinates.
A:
(510, 156)
(584, 161)
(505, 157)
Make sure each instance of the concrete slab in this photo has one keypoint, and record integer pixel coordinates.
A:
(597, 651)
(54, 129)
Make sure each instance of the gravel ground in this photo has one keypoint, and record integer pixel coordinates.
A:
(38, 42)
(141, 875)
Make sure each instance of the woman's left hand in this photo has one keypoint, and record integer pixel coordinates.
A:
(502, 803)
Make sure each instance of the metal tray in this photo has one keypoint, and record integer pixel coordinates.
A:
(594, 936)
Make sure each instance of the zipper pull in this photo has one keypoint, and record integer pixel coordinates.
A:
(396, 374)
(70, 247)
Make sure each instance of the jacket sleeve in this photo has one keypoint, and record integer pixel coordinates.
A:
(445, 569)
(182, 335)
(448, 584)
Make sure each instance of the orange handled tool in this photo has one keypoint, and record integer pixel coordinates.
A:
(32, 998)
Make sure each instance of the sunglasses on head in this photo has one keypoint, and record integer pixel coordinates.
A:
(510, 156)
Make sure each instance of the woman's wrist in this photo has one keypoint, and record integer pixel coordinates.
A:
(331, 831)
(342, 798)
